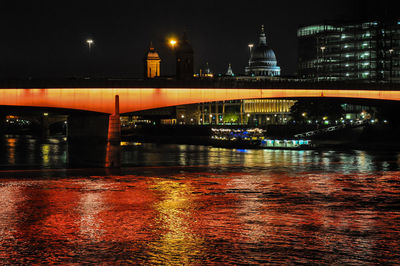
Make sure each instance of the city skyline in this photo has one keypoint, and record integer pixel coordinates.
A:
(44, 39)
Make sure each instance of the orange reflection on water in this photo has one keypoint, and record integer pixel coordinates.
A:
(202, 218)
(11, 150)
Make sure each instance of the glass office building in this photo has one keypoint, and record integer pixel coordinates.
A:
(363, 51)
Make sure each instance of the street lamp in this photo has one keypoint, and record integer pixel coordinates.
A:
(90, 42)
(251, 46)
(172, 43)
(323, 59)
(391, 64)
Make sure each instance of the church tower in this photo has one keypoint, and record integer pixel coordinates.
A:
(152, 63)
(184, 59)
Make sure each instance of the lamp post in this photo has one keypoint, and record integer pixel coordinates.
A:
(391, 64)
(250, 48)
(172, 43)
(90, 42)
(323, 60)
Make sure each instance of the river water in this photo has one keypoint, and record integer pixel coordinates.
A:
(183, 204)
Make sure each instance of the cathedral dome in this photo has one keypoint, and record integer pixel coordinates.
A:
(263, 53)
(262, 59)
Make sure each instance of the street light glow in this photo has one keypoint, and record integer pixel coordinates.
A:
(251, 46)
(90, 42)
(172, 42)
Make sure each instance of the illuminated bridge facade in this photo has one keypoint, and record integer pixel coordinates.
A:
(109, 99)
(148, 95)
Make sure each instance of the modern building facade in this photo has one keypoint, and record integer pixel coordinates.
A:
(262, 59)
(152, 63)
(240, 112)
(366, 51)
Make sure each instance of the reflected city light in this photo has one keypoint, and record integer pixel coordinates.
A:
(175, 215)
(11, 150)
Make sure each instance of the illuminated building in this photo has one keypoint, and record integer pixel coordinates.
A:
(238, 112)
(206, 73)
(229, 72)
(184, 59)
(262, 59)
(365, 51)
(152, 63)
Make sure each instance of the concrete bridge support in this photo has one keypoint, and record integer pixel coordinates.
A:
(113, 154)
(94, 140)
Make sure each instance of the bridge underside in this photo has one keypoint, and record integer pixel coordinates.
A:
(136, 99)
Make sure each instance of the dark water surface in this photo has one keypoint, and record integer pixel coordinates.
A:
(182, 204)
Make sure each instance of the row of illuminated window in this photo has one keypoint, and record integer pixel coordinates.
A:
(311, 30)
(383, 75)
(366, 27)
(349, 65)
(351, 50)
(334, 37)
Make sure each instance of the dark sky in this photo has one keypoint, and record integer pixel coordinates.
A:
(47, 38)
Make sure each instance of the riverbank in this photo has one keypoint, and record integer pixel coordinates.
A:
(367, 137)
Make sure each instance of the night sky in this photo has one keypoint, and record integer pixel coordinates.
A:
(47, 38)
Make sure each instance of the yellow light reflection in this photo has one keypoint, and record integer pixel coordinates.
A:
(177, 242)
(45, 154)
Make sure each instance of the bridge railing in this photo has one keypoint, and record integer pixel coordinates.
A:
(234, 82)
(331, 129)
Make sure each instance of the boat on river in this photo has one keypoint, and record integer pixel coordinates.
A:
(253, 138)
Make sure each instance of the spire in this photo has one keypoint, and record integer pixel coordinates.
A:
(151, 47)
(207, 70)
(229, 72)
(263, 38)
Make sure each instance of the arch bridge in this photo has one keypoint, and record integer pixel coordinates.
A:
(98, 95)
(112, 97)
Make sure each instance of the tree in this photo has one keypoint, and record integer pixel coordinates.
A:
(316, 109)
(231, 118)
